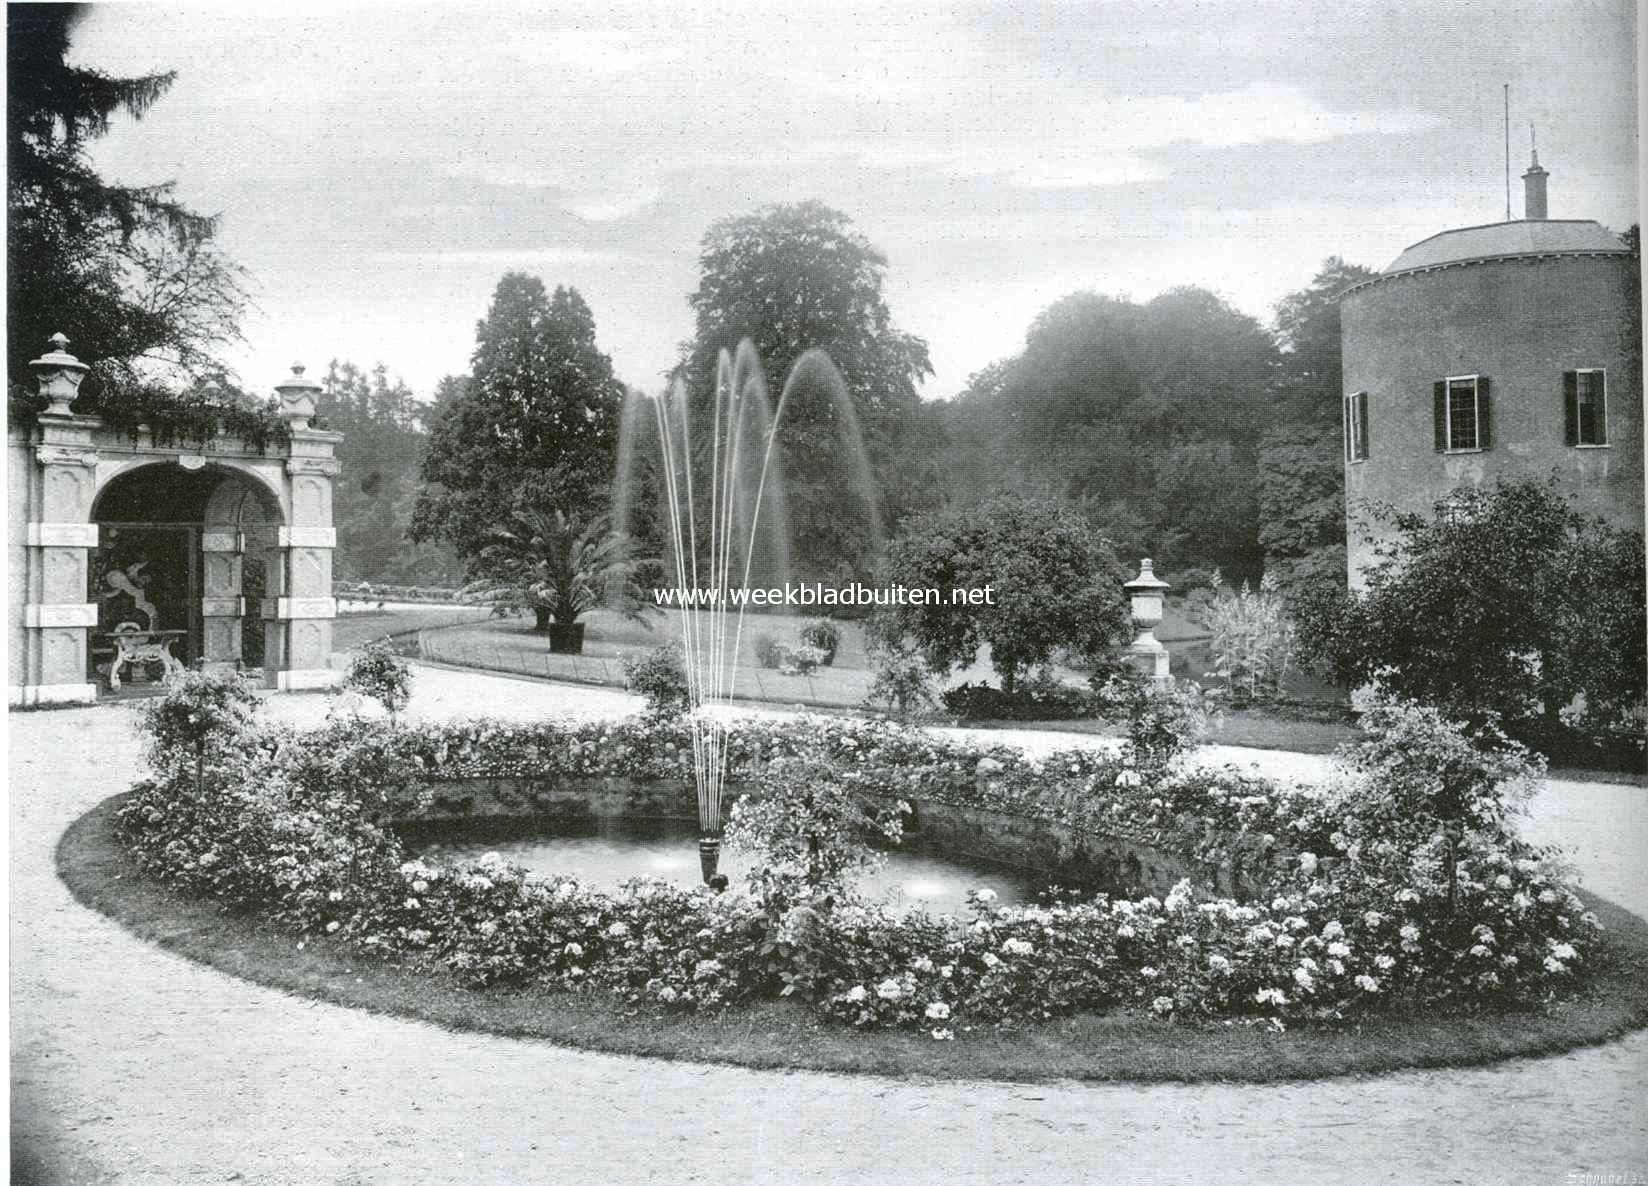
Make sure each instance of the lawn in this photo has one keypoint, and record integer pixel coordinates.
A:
(351, 629)
(510, 645)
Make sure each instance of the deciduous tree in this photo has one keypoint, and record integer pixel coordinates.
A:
(791, 278)
(383, 444)
(1054, 584)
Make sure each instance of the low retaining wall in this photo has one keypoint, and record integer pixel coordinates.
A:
(1042, 847)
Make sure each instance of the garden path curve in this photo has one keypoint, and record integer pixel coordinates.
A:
(132, 1065)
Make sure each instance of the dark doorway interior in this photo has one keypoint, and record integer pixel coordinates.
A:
(148, 571)
(147, 576)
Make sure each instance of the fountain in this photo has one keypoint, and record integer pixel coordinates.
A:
(721, 486)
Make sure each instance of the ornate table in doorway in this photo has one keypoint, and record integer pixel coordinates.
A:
(135, 645)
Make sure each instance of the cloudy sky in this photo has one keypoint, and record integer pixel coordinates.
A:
(379, 166)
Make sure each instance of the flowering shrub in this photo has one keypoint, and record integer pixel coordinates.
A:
(806, 823)
(1414, 771)
(660, 679)
(899, 681)
(1375, 911)
(1162, 720)
(201, 713)
(377, 671)
(802, 660)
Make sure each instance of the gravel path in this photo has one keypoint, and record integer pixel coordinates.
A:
(130, 1065)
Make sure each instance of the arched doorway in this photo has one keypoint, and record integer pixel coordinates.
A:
(178, 571)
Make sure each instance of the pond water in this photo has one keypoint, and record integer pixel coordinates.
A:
(607, 852)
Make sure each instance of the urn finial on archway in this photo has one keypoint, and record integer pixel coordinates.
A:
(59, 374)
(298, 394)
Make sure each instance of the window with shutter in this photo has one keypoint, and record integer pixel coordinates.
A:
(1570, 407)
(1356, 426)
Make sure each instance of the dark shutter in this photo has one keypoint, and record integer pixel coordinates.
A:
(1439, 408)
(1345, 406)
(1484, 415)
(1570, 407)
(1362, 422)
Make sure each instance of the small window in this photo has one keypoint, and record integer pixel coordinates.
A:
(1585, 407)
(1461, 411)
(1356, 426)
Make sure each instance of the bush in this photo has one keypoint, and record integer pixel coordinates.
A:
(1505, 602)
(659, 677)
(824, 636)
(1253, 637)
(799, 660)
(766, 650)
(1162, 720)
(200, 716)
(1415, 773)
(899, 682)
(1044, 698)
(377, 671)
(808, 827)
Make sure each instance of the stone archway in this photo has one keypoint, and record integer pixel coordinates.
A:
(249, 504)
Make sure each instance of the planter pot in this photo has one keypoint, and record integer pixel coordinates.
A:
(567, 639)
(709, 856)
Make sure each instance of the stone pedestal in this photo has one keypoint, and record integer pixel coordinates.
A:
(1146, 652)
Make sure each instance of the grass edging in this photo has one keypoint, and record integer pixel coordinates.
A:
(102, 876)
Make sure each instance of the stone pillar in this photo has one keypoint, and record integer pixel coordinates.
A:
(57, 616)
(298, 608)
(1147, 652)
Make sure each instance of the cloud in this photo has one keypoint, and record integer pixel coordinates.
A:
(603, 52)
(494, 256)
(609, 207)
(1091, 139)
(506, 174)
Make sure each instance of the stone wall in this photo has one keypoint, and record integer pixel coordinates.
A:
(1042, 848)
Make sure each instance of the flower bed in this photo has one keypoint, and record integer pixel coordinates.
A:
(295, 826)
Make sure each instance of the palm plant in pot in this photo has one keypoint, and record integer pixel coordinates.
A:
(559, 567)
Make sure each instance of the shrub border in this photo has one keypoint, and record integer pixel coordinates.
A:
(101, 874)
